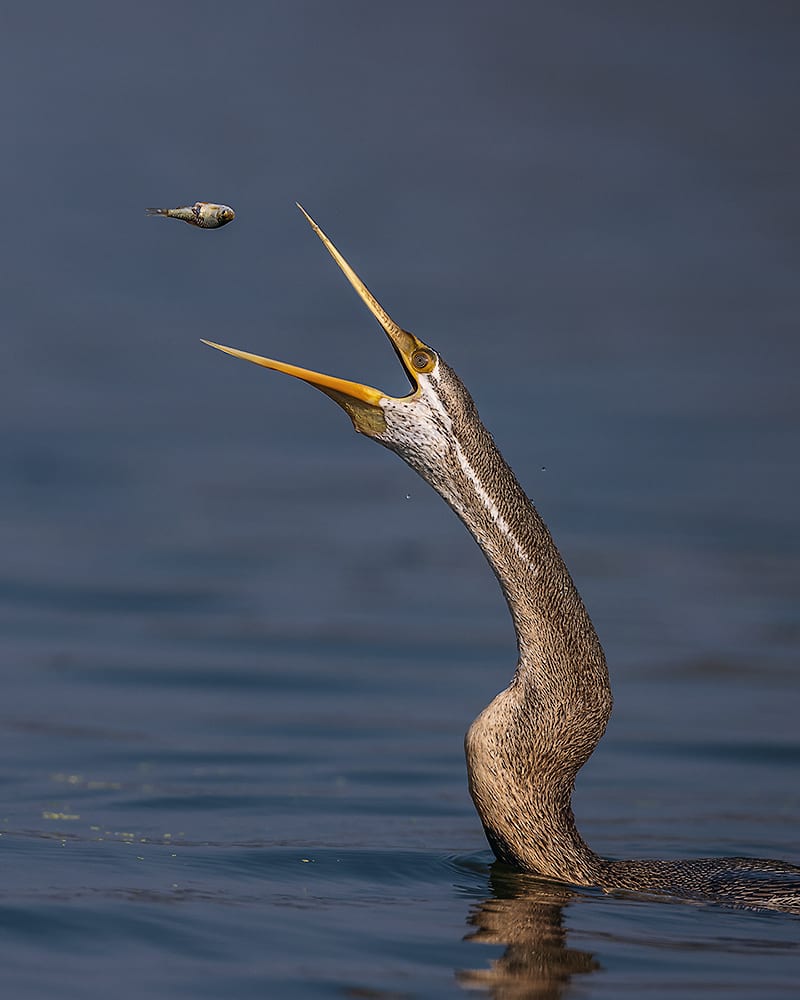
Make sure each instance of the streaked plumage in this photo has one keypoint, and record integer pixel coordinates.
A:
(204, 214)
(525, 749)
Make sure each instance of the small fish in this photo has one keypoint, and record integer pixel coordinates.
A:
(203, 214)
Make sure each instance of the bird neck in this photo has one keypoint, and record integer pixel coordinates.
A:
(556, 640)
(525, 749)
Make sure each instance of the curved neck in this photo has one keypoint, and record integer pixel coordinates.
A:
(556, 639)
(525, 749)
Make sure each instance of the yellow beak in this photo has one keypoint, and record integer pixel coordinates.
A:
(326, 383)
(362, 402)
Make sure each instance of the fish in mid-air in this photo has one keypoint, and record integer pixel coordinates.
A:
(204, 214)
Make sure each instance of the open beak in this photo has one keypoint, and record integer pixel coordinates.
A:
(361, 401)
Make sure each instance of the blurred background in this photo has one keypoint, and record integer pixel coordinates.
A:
(207, 579)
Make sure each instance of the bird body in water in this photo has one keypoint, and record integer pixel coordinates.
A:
(525, 749)
(203, 214)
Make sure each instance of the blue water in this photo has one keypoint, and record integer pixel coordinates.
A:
(240, 646)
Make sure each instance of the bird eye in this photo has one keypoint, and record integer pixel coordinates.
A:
(422, 361)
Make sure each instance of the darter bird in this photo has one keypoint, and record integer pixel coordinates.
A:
(526, 747)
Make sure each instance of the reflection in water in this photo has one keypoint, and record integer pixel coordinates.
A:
(526, 915)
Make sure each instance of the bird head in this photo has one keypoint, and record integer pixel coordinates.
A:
(421, 426)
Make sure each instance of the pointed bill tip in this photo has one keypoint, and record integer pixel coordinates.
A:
(305, 213)
(235, 353)
(310, 221)
(405, 342)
